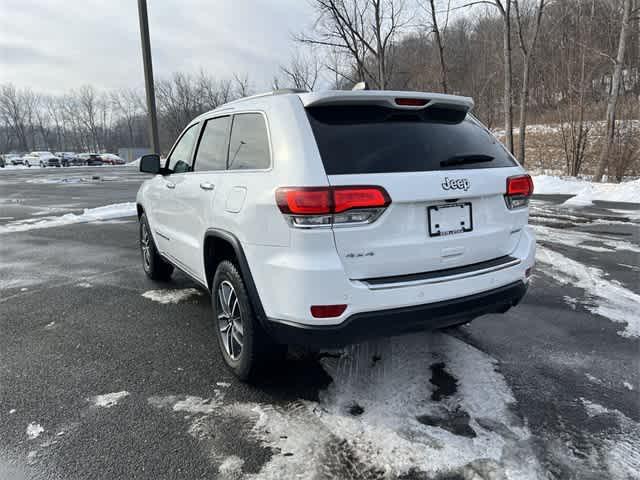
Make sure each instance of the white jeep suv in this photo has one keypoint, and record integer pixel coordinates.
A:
(325, 218)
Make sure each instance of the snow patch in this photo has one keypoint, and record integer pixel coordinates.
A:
(587, 191)
(626, 385)
(391, 383)
(575, 238)
(34, 430)
(197, 405)
(108, 400)
(593, 379)
(106, 212)
(611, 300)
(231, 467)
(189, 403)
(166, 296)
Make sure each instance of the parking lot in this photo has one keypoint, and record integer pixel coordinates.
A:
(105, 374)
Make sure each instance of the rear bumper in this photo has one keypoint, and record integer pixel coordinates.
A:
(397, 321)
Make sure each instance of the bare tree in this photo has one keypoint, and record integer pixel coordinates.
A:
(302, 71)
(527, 49)
(435, 29)
(129, 105)
(573, 129)
(363, 29)
(14, 110)
(242, 85)
(612, 102)
(504, 6)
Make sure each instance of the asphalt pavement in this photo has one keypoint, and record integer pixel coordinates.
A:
(105, 374)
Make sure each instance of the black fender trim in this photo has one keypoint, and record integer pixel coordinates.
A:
(250, 285)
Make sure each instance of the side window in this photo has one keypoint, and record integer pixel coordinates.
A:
(212, 149)
(180, 158)
(249, 143)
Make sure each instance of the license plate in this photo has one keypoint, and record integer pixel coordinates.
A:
(449, 219)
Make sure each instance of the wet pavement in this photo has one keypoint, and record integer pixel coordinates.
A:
(99, 381)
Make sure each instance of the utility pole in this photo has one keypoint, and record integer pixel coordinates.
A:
(148, 76)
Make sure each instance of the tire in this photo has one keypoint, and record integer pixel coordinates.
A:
(243, 343)
(156, 267)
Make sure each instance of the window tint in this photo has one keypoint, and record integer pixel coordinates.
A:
(373, 139)
(212, 149)
(180, 159)
(249, 144)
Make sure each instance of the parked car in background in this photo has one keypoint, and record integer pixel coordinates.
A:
(41, 158)
(13, 159)
(68, 159)
(112, 159)
(91, 159)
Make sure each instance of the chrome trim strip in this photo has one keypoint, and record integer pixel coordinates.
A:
(446, 278)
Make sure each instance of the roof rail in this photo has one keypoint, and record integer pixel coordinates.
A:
(283, 91)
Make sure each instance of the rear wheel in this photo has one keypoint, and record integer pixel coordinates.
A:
(156, 267)
(243, 343)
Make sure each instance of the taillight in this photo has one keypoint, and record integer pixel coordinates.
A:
(326, 206)
(519, 190)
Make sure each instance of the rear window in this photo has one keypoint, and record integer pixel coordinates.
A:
(373, 139)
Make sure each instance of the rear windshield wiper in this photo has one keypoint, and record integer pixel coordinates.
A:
(463, 159)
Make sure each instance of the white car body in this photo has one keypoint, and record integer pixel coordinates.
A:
(42, 159)
(389, 264)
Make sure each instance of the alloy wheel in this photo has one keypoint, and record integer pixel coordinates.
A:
(229, 319)
(145, 245)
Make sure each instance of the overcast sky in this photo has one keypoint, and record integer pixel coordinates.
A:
(55, 45)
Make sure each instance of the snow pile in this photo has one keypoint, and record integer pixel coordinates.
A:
(135, 163)
(610, 299)
(166, 296)
(587, 191)
(107, 212)
(108, 400)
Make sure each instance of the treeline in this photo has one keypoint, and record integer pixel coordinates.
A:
(567, 62)
(88, 120)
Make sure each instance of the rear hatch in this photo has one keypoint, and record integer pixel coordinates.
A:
(444, 172)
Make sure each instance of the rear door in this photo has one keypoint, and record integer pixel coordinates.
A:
(446, 176)
(198, 193)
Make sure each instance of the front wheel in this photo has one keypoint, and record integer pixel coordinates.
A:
(156, 267)
(244, 345)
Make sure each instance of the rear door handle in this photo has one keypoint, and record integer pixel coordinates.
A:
(207, 186)
(170, 185)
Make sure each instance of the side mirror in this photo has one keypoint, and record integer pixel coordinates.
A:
(150, 163)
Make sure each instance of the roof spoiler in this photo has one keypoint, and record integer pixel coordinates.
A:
(416, 100)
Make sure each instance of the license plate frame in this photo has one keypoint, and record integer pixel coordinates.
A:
(435, 219)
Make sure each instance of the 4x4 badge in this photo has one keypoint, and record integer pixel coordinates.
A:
(456, 184)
